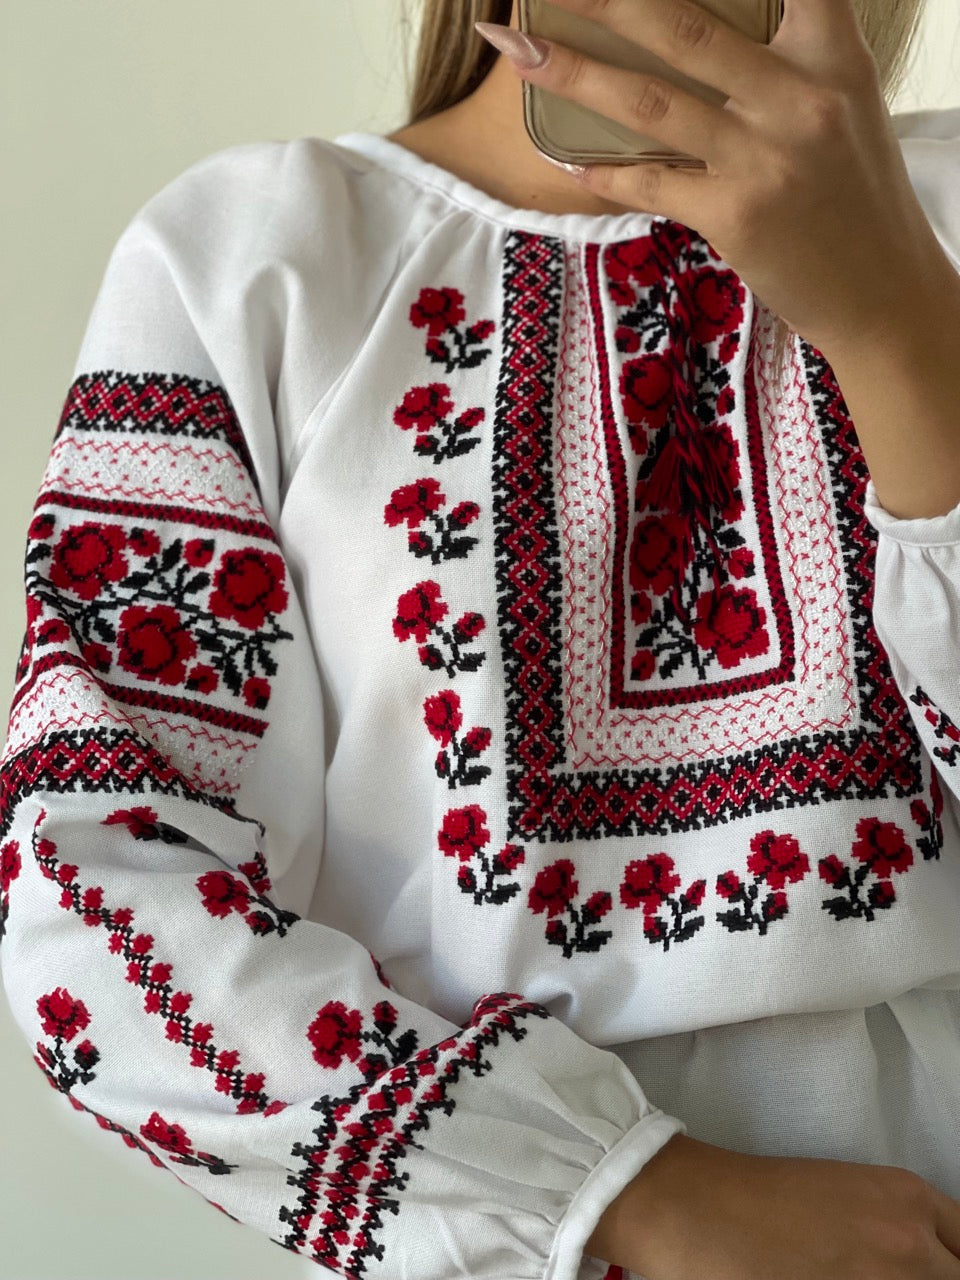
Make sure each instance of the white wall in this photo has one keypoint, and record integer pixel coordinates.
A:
(104, 101)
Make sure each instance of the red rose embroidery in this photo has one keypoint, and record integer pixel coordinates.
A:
(170, 1137)
(437, 309)
(335, 1034)
(154, 644)
(223, 893)
(553, 888)
(248, 585)
(9, 864)
(463, 832)
(418, 610)
(198, 552)
(730, 622)
(777, 859)
(413, 503)
(717, 305)
(649, 882)
(882, 846)
(61, 1015)
(87, 557)
(442, 715)
(646, 386)
(660, 552)
(423, 407)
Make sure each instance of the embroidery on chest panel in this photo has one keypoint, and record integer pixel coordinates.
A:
(684, 641)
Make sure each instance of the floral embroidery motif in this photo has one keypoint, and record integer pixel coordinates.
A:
(443, 716)
(99, 596)
(682, 550)
(649, 883)
(221, 892)
(441, 312)
(416, 503)
(931, 841)
(142, 823)
(419, 613)
(775, 862)
(337, 1033)
(63, 1017)
(943, 727)
(428, 409)
(553, 891)
(465, 836)
(173, 1139)
(9, 870)
(882, 850)
(153, 976)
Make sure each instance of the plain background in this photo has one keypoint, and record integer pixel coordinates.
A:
(103, 102)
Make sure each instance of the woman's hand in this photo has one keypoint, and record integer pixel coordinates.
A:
(696, 1209)
(806, 195)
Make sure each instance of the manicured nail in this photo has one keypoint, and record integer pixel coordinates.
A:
(577, 170)
(525, 51)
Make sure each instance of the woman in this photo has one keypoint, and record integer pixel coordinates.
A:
(480, 793)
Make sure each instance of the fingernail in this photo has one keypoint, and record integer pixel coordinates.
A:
(525, 51)
(577, 170)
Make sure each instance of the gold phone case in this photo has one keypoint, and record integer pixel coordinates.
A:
(576, 134)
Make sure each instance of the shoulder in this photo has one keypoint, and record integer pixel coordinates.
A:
(250, 200)
(930, 143)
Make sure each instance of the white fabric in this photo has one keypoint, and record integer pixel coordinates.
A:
(471, 919)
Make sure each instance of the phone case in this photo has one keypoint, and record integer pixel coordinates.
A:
(576, 134)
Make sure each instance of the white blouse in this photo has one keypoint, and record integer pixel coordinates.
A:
(471, 724)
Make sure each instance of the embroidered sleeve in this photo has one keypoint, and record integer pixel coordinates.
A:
(916, 613)
(161, 836)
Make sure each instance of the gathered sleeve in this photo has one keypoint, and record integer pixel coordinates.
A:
(162, 809)
(916, 612)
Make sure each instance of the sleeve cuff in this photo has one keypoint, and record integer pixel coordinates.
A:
(920, 531)
(602, 1185)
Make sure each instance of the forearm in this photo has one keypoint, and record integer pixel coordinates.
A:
(900, 379)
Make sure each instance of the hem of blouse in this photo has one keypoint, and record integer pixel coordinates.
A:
(600, 1187)
(597, 228)
(915, 531)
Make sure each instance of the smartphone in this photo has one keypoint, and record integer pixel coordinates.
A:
(576, 134)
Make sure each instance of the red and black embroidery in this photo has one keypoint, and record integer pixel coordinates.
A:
(555, 793)
(553, 891)
(364, 1135)
(683, 554)
(775, 861)
(441, 313)
(63, 1018)
(173, 1139)
(97, 761)
(194, 627)
(154, 404)
(419, 614)
(465, 836)
(930, 841)
(443, 716)
(882, 852)
(417, 504)
(143, 824)
(10, 864)
(428, 409)
(153, 976)
(944, 729)
(650, 883)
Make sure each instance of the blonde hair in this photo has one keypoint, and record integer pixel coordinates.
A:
(452, 60)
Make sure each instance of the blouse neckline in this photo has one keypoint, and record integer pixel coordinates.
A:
(596, 228)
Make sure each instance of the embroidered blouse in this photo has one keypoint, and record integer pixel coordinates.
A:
(471, 724)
